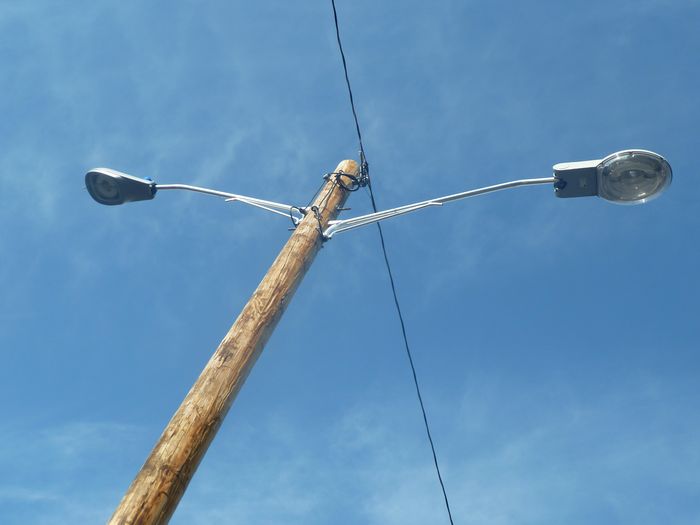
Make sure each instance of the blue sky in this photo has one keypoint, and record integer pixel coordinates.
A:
(555, 340)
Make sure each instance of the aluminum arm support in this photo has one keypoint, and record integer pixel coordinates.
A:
(356, 222)
(275, 207)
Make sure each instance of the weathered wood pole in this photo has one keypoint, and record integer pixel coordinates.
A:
(161, 482)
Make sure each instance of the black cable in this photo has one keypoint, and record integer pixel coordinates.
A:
(364, 167)
(365, 180)
(355, 183)
(413, 368)
(325, 198)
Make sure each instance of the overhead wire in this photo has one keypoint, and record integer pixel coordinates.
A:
(366, 181)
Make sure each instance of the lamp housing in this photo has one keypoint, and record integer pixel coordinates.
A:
(626, 177)
(112, 187)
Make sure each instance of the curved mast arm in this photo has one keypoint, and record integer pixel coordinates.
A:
(356, 222)
(275, 207)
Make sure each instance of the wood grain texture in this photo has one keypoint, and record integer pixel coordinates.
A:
(161, 482)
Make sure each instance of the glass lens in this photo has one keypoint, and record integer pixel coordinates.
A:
(633, 177)
(106, 187)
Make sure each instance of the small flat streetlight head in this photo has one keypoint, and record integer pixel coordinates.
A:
(113, 187)
(625, 177)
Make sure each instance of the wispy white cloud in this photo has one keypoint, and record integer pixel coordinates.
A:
(568, 464)
(21, 494)
(42, 469)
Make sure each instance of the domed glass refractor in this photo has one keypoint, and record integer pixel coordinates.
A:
(633, 176)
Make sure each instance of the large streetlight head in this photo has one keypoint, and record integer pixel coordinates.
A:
(112, 187)
(625, 177)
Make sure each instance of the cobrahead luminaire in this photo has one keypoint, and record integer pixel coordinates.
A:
(111, 187)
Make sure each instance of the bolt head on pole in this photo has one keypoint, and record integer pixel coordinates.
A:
(112, 187)
(626, 177)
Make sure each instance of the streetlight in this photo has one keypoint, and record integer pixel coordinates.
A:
(627, 177)
(111, 187)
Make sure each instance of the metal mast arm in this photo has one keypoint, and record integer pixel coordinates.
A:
(356, 222)
(275, 207)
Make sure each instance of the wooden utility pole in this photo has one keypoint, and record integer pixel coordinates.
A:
(161, 482)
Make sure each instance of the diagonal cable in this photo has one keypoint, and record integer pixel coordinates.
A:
(366, 181)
